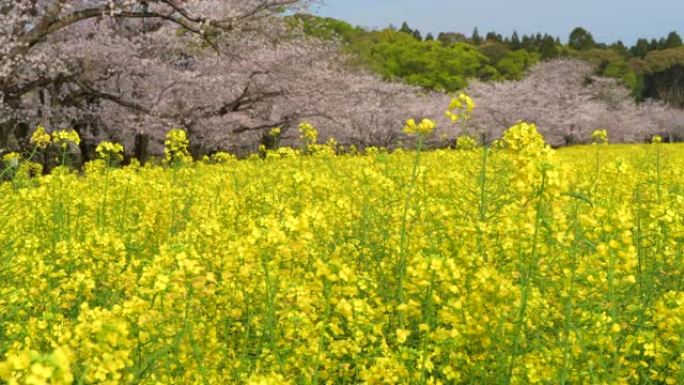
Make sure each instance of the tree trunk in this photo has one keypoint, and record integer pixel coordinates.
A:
(142, 143)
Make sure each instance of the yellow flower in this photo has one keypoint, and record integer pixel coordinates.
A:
(402, 335)
(176, 146)
(348, 267)
(30, 170)
(267, 379)
(40, 138)
(426, 126)
(39, 374)
(222, 157)
(275, 132)
(11, 159)
(36, 368)
(411, 127)
(466, 142)
(66, 137)
(110, 151)
(308, 133)
(523, 137)
(599, 137)
(460, 107)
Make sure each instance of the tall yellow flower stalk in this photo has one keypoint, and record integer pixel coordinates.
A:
(460, 110)
(176, 146)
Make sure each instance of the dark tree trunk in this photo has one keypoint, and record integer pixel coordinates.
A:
(9, 141)
(141, 150)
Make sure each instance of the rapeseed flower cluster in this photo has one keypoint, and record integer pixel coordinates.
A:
(523, 138)
(222, 157)
(40, 138)
(11, 159)
(511, 264)
(599, 137)
(31, 368)
(460, 108)
(425, 127)
(63, 138)
(275, 132)
(466, 142)
(176, 146)
(110, 152)
(307, 133)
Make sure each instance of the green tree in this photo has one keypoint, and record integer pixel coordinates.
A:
(581, 40)
(653, 45)
(620, 48)
(515, 41)
(326, 28)
(641, 48)
(548, 48)
(526, 43)
(493, 37)
(495, 52)
(664, 76)
(429, 64)
(409, 31)
(489, 73)
(673, 40)
(475, 38)
(405, 28)
(448, 38)
(513, 67)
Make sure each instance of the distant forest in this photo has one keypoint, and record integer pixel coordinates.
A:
(652, 69)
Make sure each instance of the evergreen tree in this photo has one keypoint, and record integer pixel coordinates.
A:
(476, 39)
(493, 37)
(429, 37)
(515, 41)
(653, 45)
(448, 38)
(673, 40)
(417, 35)
(405, 28)
(641, 48)
(619, 46)
(548, 48)
(581, 40)
(662, 43)
(526, 43)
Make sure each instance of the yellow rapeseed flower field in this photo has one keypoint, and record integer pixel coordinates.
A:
(513, 264)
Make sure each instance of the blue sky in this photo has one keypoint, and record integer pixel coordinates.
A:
(607, 20)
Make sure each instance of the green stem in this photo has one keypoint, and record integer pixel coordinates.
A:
(525, 284)
(403, 243)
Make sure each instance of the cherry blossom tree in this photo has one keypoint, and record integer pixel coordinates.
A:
(567, 102)
(118, 66)
(228, 71)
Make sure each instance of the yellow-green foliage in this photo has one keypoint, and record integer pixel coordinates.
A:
(509, 265)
